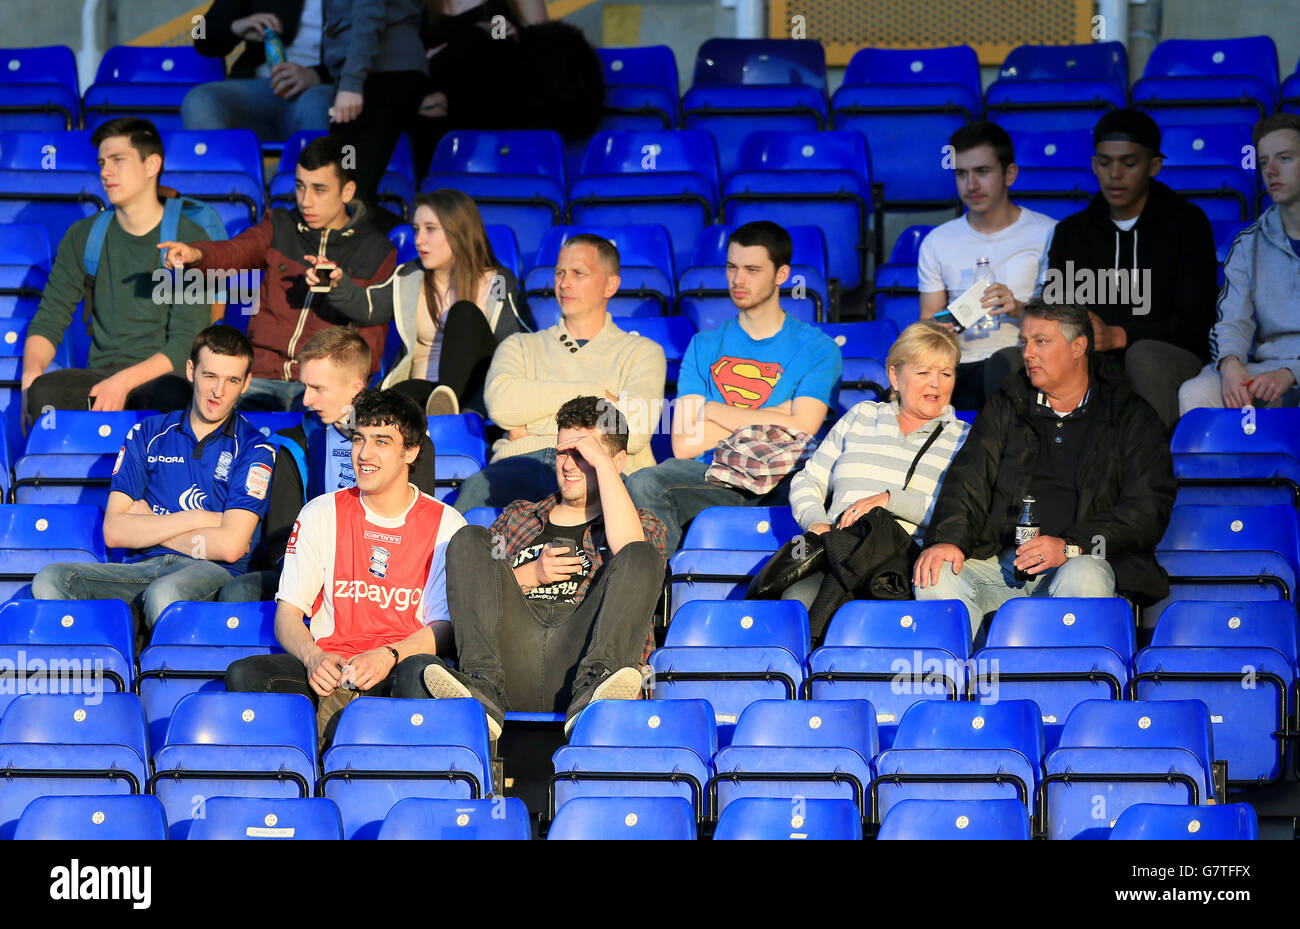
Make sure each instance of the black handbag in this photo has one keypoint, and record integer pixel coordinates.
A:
(784, 569)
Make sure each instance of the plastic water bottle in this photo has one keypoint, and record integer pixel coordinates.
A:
(984, 272)
(274, 48)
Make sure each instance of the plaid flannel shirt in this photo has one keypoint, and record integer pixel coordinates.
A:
(756, 458)
(523, 521)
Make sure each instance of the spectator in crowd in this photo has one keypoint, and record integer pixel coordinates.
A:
(1141, 259)
(756, 389)
(315, 456)
(453, 306)
(363, 593)
(187, 497)
(274, 101)
(1011, 237)
(562, 618)
(379, 80)
(534, 373)
(1255, 345)
(891, 455)
(281, 247)
(1073, 434)
(138, 343)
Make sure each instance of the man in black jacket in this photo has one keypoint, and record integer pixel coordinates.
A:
(1141, 259)
(1071, 432)
(315, 457)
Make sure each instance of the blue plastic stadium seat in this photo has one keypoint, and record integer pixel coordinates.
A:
(100, 744)
(768, 818)
(637, 748)
(947, 750)
(1202, 81)
(40, 88)
(896, 294)
(79, 818)
(1058, 87)
(101, 623)
(517, 179)
(1207, 650)
(483, 516)
(640, 88)
(711, 574)
(505, 248)
(893, 653)
(1159, 821)
(309, 818)
(423, 818)
(1058, 652)
(27, 244)
(396, 186)
(671, 333)
(49, 178)
(34, 535)
(809, 178)
(649, 178)
(1221, 456)
(217, 166)
(704, 299)
(234, 745)
(864, 346)
(908, 101)
(956, 819)
(1055, 177)
(605, 818)
(459, 448)
(748, 623)
(269, 423)
(70, 456)
(150, 82)
(1125, 752)
(741, 528)
(53, 152)
(386, 749)
(1204, 164)
(646, 269)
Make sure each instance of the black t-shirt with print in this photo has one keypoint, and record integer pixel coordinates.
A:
(561, 591)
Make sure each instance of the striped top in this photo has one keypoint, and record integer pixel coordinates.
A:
(866, 453)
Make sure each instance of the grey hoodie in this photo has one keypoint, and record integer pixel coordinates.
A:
(1259, 306)
(371, 35)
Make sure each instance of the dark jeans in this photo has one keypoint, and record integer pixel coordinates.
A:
(250, 586)
(1157, 369)
(69, 389)
(467, 347)
(530, 656)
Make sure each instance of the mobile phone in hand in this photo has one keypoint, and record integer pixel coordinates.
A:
(945, 316)
(562, 549)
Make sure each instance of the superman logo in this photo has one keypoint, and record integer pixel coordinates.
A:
(745, 383)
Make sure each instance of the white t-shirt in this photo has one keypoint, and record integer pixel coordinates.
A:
(305, 48)
(365, 580)
(947, 263)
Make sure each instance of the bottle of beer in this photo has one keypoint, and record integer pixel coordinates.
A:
(1026, 529)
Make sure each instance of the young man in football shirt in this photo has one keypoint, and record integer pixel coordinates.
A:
(363, 586)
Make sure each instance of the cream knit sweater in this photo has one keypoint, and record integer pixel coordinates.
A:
(534, 373)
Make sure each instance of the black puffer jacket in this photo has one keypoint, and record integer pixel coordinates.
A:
(1125, 478)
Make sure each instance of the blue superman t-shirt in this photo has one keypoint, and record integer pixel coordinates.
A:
(726, 365)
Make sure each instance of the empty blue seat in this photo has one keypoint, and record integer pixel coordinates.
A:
(459, 446)
(893, 653)
(711, 574)
(234, 745)
(48, 151)
(145, 81)
(761, 61)
(70, 456)
(1058, 652)
(956, 819)
(640, 88)
(1126, 752)
(1055, 175)
(41, 91)
(671, 333)
(386, 749)
(309, 818)
(1221, 456)
(605, 818)
(1159, 821)
(423, 818)
(730, 113)
(798, 748)
(27, 244)
(66, 745)
(907, 247)
(215, 163)
(516, 178)
(864, 346)
(748, 623)
(768, 818)
(34, 535)
(661, 178)
(742, 528)
(1240, 659)
(961, 751)
(505, 248)
(105, 623)
(1204, 164)
(637, 748)
(896, 295)
(1201, 81)
(809, 178)
(79, 818)
(1054, 87)
(907, 101)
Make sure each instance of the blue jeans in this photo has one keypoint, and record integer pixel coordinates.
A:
(530, 476)
(249, 103)
(676, 492)
(150, 585)
(984, 584)
(265, 395)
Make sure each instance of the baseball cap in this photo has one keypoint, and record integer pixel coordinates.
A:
(1128, 125)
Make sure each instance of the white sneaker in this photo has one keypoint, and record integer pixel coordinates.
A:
(442, 402)
(443, 685)
(623, 684)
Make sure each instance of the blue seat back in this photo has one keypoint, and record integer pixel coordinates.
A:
(69, 150)
(308, 818)
(809, 724)
(782, 623)
(1226, 623)
(956, 819)
(1200, 527)
(1033, 622)
(101, 817)
(761, 61)
(649, 724)
(902, 624)
(944, 724)
(71, 719)
(1159, 821)
(27, 244)
(423, 818)
(520, 152)
(679, 151)
(741, 528)
(956, 64)
(70, 622)
(188, 622)
(1142, 724)
(767, 818)
(729, 574)
(1098, 61)
(172, 64)
(45, 64)
(245, 719)
(1267, 432)
(605, 818)
(1255, 56)
(393, 721)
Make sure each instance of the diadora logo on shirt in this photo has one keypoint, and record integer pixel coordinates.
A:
(744, 382)
(166, 459)
(401, 598)
(193, 499)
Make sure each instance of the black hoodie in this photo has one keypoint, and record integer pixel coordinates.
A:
(1173, 239)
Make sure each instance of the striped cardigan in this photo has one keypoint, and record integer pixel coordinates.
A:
(866, 453)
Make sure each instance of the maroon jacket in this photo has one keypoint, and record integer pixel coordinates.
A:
(276, 247)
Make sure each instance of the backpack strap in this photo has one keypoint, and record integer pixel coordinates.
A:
(299, 455)
(95, 242)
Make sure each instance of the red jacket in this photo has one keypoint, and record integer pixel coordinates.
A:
(276, 247)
